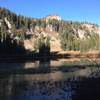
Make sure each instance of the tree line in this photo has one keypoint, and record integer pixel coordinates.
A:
(68, 33)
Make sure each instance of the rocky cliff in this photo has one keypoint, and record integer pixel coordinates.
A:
(51, 26)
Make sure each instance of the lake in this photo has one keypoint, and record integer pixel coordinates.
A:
(63, 79)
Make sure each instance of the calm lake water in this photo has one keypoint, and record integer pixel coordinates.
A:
(64, 79)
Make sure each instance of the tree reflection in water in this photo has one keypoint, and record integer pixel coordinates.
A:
(43, 90)
(17, 87)
(55, 85)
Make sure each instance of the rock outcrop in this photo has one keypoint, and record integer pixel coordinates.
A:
(52, 30)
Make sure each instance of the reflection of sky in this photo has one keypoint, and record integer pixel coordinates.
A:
(57, 85)
(48, 91)
(40, 98)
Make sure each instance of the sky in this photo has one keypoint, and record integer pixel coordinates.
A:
(75, 10)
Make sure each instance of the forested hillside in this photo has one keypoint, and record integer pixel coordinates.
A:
(19, 33)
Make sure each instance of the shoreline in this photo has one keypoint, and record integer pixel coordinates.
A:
(52, 56)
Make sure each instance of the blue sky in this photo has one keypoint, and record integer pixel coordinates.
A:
(76, 10)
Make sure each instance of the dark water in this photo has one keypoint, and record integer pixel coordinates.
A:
(54, 80)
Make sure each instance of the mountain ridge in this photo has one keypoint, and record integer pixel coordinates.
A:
(64, 35)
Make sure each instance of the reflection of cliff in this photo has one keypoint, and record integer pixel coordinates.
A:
(54, 85)
(31, 65)
(6, 85)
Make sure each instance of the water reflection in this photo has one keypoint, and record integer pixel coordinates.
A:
(49, 63)
(44, 90)
(65, 81)
(6, 85)
(30, 87)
